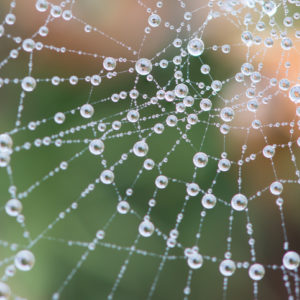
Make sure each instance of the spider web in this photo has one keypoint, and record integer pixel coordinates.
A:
(140, 169)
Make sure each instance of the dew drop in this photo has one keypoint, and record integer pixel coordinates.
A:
(146, 228)
(269, 8)
(224, 164)
(140, 148)
(286, 44)
(205, 104)
(4, 159)
(268, 151)
(154, 20)
(96, 80)
(13, 207)
(200, 159)
(161, 182)
(239, 202)
(256, 272)
(143, 66)
(107, 177)
(59, 118)
(109, 63)
(291, 260)
(149, 164)
(96, 147)
(28, 84)
(227, 267)
(181, 90)
(247, 38)
(28, 45)
(5, 291)
(133, 116)
(2, 30)
(195, 261)
(6, 143)
(227, 114)
(294, 94)
(195, 47)
(24, 260)
(87, 111)
(123, 207)
(276, 188)
(209, 201)
(192, 189)
(41, 5)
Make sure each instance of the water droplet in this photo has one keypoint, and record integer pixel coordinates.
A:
(123, 207)
(10, 19)
(107, 177)
(56, 11)
(4, 159)
(276, 188)
(200, 159)
(181, 90)
(59, 118)
(28, 84)
(269, 8)
(109, 63)
(87, 111)
(146, 228)
(6, 143)
(239, 202)
(205, 69)
(2, 30)
(291, 260)
(252, 105)
(67, 15)
(209, 201)
(154, 20)
(294, 94)
(187, 16)
(227, 267)
(286, 44)
(247, 38)
(205, 104)
(161, 181)
(195, 47)
(247, 69)
(5, 291)
(13, 207)
(140, 148)
(28, 45)
(195, 261)
(96, 80)
(41, 5)
(216, 85)
(133, 116)
(192, 189)
(188, 101)
(24, 260)
(256, 272)
(268, 151)
(227, 114)
(100, 234)
(149, 164)
(224, 164)
(143, 66)
(96, 147)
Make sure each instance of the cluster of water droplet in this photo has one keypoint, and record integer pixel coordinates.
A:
(189, 100)
(6, 144)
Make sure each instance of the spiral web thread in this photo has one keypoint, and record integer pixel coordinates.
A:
(246, 90)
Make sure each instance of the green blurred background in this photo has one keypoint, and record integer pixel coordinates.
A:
(55, 257)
